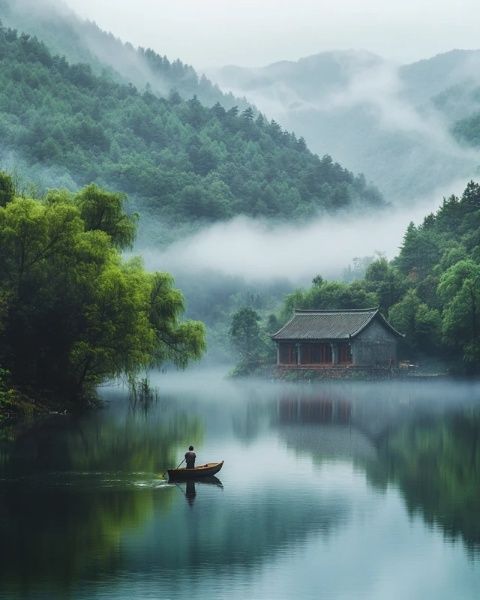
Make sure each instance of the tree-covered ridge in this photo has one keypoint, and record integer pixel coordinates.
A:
(73, 313)
(183, 160)
(466, 121)
(65, 34)
(468, 129)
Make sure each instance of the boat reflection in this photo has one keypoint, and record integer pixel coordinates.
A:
(190, 492)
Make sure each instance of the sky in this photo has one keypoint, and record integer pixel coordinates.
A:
(210, 33)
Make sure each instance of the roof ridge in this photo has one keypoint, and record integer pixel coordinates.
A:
(334, 310)
(330, 324)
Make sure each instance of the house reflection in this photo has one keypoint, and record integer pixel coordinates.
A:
(314, 409)
(323, 424)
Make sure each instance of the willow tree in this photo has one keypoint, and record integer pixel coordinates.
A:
(75, 313)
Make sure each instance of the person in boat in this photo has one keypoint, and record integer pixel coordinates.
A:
(190, 457)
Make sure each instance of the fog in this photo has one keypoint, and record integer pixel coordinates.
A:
(364, 110)
(82, 41)
(34, 179)
(259, 251)
(254, 33)
(373, 116)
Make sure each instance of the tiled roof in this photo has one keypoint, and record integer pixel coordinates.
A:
(329, 324)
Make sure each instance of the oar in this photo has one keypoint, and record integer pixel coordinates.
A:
(176, 467)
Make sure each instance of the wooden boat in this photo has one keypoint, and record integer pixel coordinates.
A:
(198, 472)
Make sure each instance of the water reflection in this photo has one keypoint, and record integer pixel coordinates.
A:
(191, 490)
(430, 452)
(83, 505)
(115, 440)
(436, 464)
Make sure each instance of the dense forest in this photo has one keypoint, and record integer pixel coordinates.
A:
(407, 158)
(65, 34)
(180, 159)
(430, 292)
(73, 312)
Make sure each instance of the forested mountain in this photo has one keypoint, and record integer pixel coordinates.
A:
(82, 41)
(184, 161)
(393, 123)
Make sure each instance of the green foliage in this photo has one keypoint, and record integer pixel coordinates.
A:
(245, 331)
(329, 295)
(104, 211)
(459, 289)
(6, 393)
(180, 159)
(7, 188)
(383, 280)
(430, 291)
(75, 313)
(249, 340)
(84, 42)
(420, 324)
(440, 259)
(419, 252)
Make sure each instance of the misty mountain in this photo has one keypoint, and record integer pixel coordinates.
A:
(393, 123)
(80, 41)
(426, 79)
(184, 162)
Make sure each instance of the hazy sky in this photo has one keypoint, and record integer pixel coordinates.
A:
(209, 33)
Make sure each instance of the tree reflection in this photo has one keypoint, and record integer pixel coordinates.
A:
(431, 454)
(50, 536)
(436, 464)
(125, 441)
(68, 496)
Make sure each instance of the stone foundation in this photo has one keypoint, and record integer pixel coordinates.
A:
(337, 372)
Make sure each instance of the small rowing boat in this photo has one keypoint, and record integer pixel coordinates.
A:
(201, 471)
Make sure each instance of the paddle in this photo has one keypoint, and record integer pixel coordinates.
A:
(176, 467)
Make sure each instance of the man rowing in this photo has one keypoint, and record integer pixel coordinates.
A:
(190, 457)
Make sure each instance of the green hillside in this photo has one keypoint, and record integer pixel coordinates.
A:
(180, 159)
(80, 41)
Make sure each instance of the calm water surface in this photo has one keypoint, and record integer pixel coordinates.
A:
(334, 491)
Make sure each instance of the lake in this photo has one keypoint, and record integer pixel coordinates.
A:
(334, 491)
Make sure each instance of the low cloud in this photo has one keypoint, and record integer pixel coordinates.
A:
(369, 114)
(259, 251)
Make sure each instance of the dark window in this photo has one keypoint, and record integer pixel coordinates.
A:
(344, 353)
(288, 354)
(316, 354)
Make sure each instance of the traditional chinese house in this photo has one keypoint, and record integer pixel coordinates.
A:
(334, 338)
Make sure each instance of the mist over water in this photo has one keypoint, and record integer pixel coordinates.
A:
(334, 489)
(349, 489)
